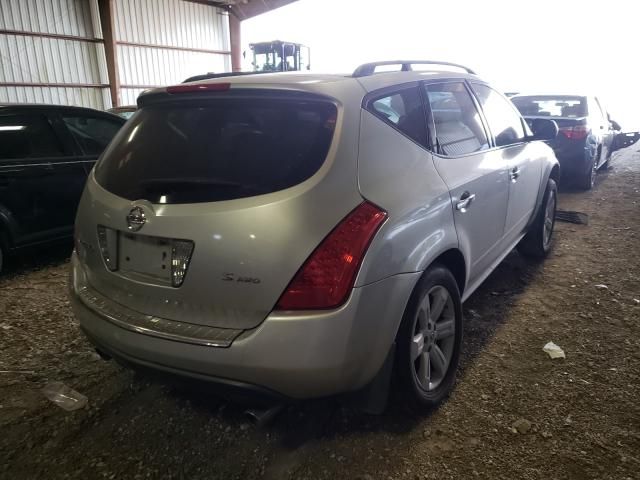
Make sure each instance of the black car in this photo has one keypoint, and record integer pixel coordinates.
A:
(46, 153)
(586, 137)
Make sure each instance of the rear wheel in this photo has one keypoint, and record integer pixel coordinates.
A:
(606, 164)
(538, 240)
(430, 338)
(589, 178)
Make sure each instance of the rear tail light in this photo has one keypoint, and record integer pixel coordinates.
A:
(577, 132)
(181, 251)
(326, 278)
(108, 243)
(199, 87)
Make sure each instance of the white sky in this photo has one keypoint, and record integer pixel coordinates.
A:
(525, 46)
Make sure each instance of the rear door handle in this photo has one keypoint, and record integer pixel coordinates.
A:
(514, 174)
(465, 201)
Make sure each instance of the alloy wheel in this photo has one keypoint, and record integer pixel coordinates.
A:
(432, 345)
(549, 219)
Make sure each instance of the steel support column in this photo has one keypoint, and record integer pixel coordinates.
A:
(236, 42)
(105, 8)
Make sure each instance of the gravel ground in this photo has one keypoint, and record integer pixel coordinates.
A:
(515, 413)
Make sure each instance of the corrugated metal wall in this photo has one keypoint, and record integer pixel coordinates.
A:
(51, 51)
(162, 42)
(68, 67)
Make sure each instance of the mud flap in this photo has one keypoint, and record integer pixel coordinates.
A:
(372, 399)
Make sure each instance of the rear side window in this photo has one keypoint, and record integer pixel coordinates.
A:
(404, 111)
(504, 121)
(218, 149)
(27, 136)
(457, 123)
(92, 134)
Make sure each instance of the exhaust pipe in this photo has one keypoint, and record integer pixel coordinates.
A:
(262, 417)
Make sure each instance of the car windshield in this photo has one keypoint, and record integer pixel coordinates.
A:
(559, 106)
(222, 149)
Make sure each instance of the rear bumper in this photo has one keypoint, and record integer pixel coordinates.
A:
(575, 157)
(297, 355)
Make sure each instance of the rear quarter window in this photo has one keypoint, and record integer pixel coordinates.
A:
(92, 134)
(221, 149)
(404, 111)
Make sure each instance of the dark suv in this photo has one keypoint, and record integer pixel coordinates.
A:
(46, 153)
(586, 138)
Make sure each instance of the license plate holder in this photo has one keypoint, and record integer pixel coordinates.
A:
(145, 257)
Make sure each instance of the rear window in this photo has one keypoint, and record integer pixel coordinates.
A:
(560, 106)
(222, 149)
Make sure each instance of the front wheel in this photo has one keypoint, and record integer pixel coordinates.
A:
(430, 338)
(537, 242)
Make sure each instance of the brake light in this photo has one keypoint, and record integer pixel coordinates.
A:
(577, 132)
(199, 87)
(326, 278)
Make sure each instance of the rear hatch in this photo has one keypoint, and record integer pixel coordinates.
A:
(207, 203)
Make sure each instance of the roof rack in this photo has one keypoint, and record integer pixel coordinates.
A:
(367, 69)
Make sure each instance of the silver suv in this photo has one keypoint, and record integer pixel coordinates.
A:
(307, 235)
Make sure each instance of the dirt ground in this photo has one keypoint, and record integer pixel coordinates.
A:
(575, 418)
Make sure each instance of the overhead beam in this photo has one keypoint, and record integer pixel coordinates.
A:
(253, 8)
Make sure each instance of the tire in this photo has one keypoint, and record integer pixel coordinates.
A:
(426, 344)
(607, 164)
(538, 241)
(588, 179)
(3, 251)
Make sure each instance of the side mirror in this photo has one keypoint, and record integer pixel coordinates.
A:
(543, 129)
(615, 125)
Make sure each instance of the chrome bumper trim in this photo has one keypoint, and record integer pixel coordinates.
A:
(154, 326)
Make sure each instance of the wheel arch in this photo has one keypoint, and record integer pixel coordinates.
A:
(454, 261)
(551, 171)
(451, 259)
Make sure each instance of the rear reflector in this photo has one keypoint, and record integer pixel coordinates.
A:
(577, 132)
(181, 251)
(326, 278)
(199, 87)
(108, 242)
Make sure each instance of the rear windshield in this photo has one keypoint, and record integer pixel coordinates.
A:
(560, 106)
(222, 149)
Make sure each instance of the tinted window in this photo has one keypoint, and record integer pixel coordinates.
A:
(504, 121)
(550, 106)
(27, 136)
(217, 150)
(403, 110)
(457, 123)
(92, 134)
